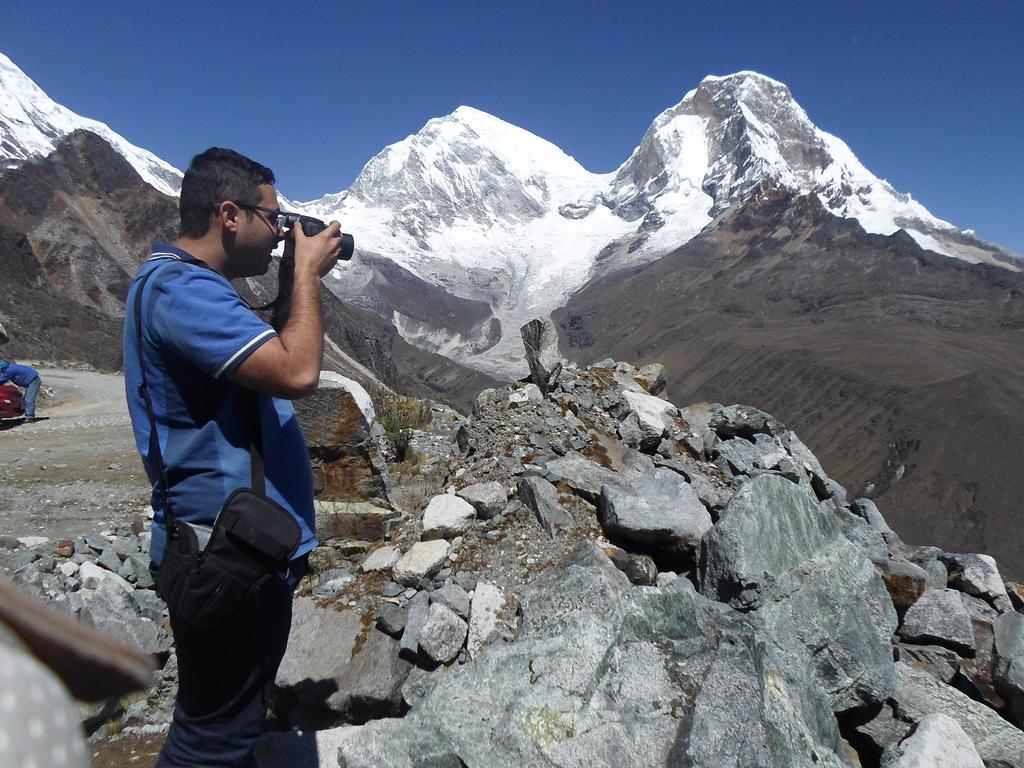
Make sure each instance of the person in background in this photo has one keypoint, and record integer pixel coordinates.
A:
(26, 378)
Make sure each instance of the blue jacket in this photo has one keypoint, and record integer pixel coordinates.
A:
(21, 375)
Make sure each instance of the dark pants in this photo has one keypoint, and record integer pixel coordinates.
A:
(223, 677)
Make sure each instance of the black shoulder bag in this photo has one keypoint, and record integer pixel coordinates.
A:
(253, 536)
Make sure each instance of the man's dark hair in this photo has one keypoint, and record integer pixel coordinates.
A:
(213, 177)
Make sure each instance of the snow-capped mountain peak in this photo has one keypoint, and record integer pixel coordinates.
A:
(31, 124)
(473, 165)
(733, 133)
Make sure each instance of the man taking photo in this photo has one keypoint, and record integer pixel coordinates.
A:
(207, 362)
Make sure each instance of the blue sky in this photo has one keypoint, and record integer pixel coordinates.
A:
(929, 95)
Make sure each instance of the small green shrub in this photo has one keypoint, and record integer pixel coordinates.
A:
(399, 415)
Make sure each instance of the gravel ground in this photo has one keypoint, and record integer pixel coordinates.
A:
(77, 471)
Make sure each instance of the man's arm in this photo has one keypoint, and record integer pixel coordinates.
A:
(288, 366)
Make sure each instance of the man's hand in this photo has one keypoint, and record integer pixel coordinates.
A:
(289, 366)
(317, 254)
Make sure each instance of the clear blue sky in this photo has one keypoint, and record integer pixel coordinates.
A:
(929, 95)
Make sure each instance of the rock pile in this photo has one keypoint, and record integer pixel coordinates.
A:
(610, 580)
(103, 579)
(600, 578)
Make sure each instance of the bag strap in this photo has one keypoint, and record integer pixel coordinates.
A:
(249, 398)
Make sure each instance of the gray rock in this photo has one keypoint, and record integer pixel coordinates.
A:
(541, 341)
(333, 582)
(446, 516)
(589, 682)
(977, 575)
(149, 604)
(419, 683)
(423, 559)
(391, 619)
(110, 608)
(941, 663)
(777, 550)
(745, 456)
(383, 559)
(802, 455)
(641, 570)
(743, 421)
(92, 576)
(654, 414)
(660, 510)
(867, 509)
(140, 569)
(443, 634)
(871, 543)
(937, 741)
(488, 614)
(542, 498)
(884, 729)
(939, 617)
(1009, 662)
(454, 597)
(838, 603)
(528, 393)
(416, 617)
(770, 526)
(489, 399)
(108, 559)
(917, 695)
(488, 499)
(309, 661)
(370, 685)
(466, 580)
(96, 542)
(584, 476)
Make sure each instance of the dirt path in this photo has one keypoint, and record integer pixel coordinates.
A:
(77, 471)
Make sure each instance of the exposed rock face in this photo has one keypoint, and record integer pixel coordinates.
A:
(73, 227)
(342, 435)
(529, 704)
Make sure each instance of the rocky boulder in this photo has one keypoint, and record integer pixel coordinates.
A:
(541, 340)
(661, 510)
(603, 674)
(342, 435)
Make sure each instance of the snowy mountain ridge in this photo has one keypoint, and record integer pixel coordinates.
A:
(31, 123)
(490, 212)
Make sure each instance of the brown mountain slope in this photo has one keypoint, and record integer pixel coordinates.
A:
(72, 229)
(901, 369)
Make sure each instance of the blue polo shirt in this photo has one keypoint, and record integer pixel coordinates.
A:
(196, 331)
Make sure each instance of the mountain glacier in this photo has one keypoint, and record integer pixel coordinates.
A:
(490, 213)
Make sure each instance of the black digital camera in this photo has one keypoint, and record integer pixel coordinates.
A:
(312, 226)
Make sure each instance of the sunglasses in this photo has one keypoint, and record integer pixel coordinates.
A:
(277, 219)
